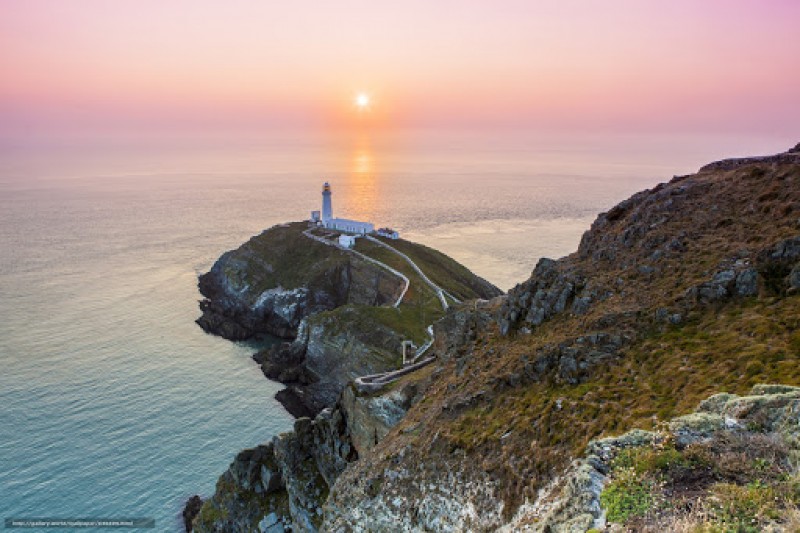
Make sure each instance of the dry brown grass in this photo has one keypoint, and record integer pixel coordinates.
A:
(525, 432)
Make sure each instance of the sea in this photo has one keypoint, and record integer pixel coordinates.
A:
(115, 404)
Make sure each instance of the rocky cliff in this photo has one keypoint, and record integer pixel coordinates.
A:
(681, 292)
(283, 485)
(343, 313)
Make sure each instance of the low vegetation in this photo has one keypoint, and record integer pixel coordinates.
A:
(735, 482)
(294, 259)
(217, 512)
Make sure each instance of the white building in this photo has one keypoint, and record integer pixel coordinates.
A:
(389, 233)
(340, 224)
(348, 241)
(349, 226)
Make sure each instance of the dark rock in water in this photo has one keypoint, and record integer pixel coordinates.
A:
(191, 510)
(222, 321)
(293, 402)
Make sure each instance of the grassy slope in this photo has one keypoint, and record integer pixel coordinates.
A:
(522, 433)
(420, 306)
(282, 256)
(444, 271)
(727, 349)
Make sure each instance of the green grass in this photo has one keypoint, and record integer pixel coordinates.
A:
(364, 321)
(420, 306)
(627, 496)
(442, 270)
(738, 508)
(283, 256)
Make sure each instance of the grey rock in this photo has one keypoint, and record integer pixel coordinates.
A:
(724, 277)
(370, 418)
(764, 389)
(695, 427)
(581, 305)
(747, 282)
(535, 316)
(567, 368)
(794, 277)
(271, 523)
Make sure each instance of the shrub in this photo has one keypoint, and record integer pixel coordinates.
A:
(627, 496)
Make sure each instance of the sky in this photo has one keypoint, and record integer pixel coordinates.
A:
(98, 68)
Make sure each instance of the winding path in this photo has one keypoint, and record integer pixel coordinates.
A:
(375, 382)
(439, 291)
(397, 273)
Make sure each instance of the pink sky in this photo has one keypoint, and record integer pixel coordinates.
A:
(99, 67)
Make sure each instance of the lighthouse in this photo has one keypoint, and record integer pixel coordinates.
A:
(339, 224)
(327, 209)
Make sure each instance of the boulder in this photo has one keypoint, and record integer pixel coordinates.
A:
(190, 510)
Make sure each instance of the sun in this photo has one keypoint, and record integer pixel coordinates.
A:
(362, 100)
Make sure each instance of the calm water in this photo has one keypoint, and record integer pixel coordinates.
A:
(114, 403)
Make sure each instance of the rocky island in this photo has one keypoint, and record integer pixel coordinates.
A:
(646, 382)
(343, 313)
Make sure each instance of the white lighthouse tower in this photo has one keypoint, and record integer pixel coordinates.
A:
(327, 209)
(339, 224)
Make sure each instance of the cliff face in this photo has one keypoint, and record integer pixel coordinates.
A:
(273, 281)
(683, 291)
(284, 484)
(331, 349)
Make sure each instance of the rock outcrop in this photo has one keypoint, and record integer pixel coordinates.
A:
(276, 279)
(190, 511)
(331, 349)
(284, 484)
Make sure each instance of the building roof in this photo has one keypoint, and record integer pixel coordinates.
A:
(349, 222)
